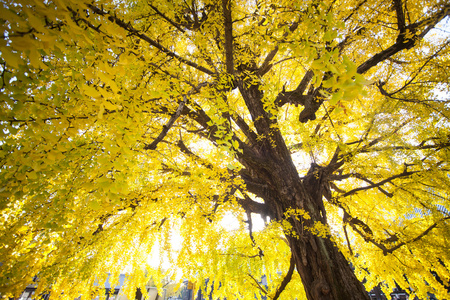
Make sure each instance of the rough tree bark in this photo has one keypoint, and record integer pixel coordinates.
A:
(270, 174)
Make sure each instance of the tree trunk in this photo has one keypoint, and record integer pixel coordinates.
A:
(270, 174)
(325, 273)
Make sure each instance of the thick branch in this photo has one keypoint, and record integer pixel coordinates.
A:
(355, 10)
(348, 219)
(189, 153)
(225, 199)
(133, 31)
(228, 24)
(253, 207)
(383, 55)
(366, 148)
(199, 115)
(296, 96)
(293, 97)
(402, 43)
(359, 176)
(400, 15)
(167, 127)
(253, 96)
(104, 218)
(166, 18)
(377, 185)
(286, 279)
(367, 235)
(250, 232)
(257, 284)
(417, 73)
(266, 65)
(412, 147)
(305, 81)
(386, 250)
(422, 146)
(348, 240)
(420, 236)
(249, 133)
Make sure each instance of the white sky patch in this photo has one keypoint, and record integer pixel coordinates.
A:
(230, 222)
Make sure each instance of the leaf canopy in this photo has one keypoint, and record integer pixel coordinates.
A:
(125, 133)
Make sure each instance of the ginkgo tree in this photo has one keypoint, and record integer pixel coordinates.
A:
(134, 129)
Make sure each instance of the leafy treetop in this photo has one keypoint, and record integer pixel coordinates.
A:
(128, 128)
